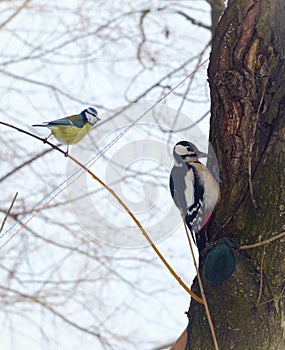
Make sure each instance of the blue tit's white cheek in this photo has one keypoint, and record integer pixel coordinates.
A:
(91, 118)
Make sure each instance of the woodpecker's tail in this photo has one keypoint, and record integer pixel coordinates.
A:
(193, 235)
(201, 239)
(198, 227)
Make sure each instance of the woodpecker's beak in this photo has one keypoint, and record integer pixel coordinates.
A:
(202, 154)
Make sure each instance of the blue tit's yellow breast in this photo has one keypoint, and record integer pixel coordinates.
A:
(69, 134)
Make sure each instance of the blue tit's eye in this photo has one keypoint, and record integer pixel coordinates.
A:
(189, 149)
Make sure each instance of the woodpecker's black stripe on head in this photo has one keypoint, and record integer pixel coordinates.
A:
(187, 144)
(184, 149)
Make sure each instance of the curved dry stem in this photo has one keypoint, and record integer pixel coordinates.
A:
(121, 202)
(211, 325)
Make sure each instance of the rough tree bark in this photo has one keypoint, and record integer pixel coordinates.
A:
(247, 81)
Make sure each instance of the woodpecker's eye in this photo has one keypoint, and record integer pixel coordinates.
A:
(189, 149)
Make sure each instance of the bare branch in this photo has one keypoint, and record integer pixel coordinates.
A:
(27, 162)
(8, 212)
(193, 20)
(19, 9)
(51, 87)
(260, 244)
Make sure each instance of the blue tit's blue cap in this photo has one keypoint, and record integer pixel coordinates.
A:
(92, 111)
(90, 115)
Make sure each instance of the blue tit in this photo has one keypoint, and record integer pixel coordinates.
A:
(70, 130)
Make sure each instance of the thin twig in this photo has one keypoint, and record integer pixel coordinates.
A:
(211, 325)
(121, 202)
(8, 212)
(19, 9)
(51, 308)
(193, 20)
(261, 278)
(259, 244)
(27, 162)
(275, 299)
(198, 65)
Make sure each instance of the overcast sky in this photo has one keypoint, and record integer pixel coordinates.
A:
(79, 267)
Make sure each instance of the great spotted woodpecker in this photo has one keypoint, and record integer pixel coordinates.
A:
(194, 190)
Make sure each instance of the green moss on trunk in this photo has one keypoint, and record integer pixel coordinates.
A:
(247, 81)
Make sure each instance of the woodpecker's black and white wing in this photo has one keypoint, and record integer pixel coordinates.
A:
(195, 214)
(187, 194)
(178, 187)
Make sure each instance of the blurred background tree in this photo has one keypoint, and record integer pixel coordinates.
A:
(60, 287)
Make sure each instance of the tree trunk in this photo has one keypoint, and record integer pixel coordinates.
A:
(245, 288)
(217, 7)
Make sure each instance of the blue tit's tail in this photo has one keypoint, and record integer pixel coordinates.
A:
(44, 125)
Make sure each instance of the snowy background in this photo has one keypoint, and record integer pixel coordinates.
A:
(75, 272)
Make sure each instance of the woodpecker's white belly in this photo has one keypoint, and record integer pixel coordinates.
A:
(211, 187)
(189, 182)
